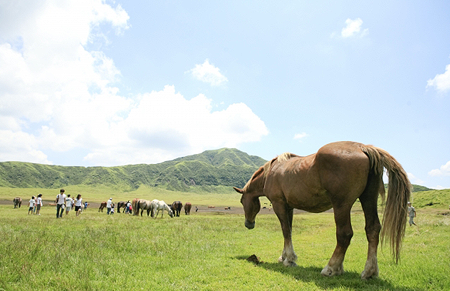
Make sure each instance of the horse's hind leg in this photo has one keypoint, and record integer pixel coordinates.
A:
(369, 204)
(344, 234)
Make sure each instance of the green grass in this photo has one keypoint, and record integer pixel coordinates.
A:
(206, 252)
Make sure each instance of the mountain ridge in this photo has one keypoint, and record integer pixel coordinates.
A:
(207, 170)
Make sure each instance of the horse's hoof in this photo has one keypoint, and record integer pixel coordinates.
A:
(368, 275)
(328, 271)
(289, 264)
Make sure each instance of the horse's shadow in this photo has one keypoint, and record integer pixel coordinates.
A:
(350, 280)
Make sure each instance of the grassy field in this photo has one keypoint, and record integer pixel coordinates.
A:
(206, 251)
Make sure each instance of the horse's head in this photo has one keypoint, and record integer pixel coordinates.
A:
(250, 196)
(169, 210)
(251, 207)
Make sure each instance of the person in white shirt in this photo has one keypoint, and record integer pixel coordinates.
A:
(69, 203)
(128, 207)
(32, 204)
(108, 206)
(38, 204)
(78, 203)
(60, 200)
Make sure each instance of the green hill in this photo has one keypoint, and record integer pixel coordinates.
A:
(432, 199)
(209, 171)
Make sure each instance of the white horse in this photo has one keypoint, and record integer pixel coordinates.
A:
(157, 205)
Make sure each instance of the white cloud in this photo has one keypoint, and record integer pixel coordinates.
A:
(442, 171)
(353, 28)
(300, 136)
(441, 82)
(20, 146)
(208, 73)
(165, 125)
(56, 96)
(415, 180)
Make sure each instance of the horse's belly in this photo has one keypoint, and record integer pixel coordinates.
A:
(316, 203)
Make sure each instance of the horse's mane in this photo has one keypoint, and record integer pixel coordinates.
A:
(284, 157)
(265, 169)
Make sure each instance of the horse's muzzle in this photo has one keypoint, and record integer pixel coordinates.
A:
(249, 225)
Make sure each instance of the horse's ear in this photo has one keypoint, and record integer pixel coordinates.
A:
(238, 190)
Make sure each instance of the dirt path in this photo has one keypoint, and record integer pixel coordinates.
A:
(201, 208)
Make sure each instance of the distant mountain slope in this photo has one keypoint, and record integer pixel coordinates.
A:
(208, 171)
(223, 167)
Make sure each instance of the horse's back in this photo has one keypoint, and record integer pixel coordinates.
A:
(311, 183)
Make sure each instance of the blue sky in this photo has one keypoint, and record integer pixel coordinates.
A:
(102, 83)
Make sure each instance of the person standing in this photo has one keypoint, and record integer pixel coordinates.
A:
(32, 204)
(69, 203)
(108, 206)
(78, 203)
(85, 205)
(412, 214)
(60, 200)
(128, 207)
(38, 204)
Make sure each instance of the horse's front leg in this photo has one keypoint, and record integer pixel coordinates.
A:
(285, 215)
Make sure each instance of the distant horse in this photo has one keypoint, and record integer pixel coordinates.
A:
(17, 202)
(121, 204)
(334, 177)
(176, 208)
(157, 205)
(187, 208)
(102, 205)
(143, 205)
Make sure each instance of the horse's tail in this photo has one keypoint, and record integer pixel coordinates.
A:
(399, 192)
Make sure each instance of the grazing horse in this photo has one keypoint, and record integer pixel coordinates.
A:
(157, 205)
(102, 205)
(187, 208)
(334, 177)
(121, 204)
(17, 202)
(176, 208)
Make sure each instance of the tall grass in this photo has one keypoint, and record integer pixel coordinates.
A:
(205, 252)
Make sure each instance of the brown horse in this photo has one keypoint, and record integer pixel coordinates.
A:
(134, 206)
(187, 208)
(102, 205)
(121, 204)
(334, 177)
(17, 202)
(176, 208)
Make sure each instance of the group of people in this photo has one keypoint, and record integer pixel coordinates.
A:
(66, 202)
(110, 207)
(35, 205)
(62, 202)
